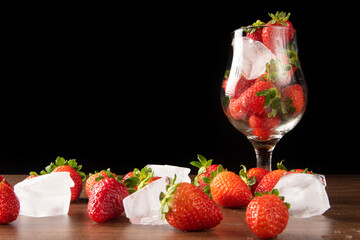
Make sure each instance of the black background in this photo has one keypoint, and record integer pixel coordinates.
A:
(124, 85)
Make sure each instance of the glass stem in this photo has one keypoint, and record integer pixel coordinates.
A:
(263, 158)
(263, 151)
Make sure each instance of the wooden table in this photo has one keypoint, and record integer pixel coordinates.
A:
(342, 221)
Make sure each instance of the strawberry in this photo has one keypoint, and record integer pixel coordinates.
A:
(262, 125)
(270, 180)
(93, 179)
(301, 171)
(250, 102)
(129, 174)
(267, 215)
(253, 176)
(2, 179)
(187, 208)
(228, 189)
(71, 166)
(205, 169)
(138, 179)
(9, 203)
(106, 200)
(255, 32)
(276, 39)
(237, 114)
(294, 95)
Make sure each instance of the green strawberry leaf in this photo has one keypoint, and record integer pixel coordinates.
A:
(165, 197)
(196, 164)
(131, 182)
(60, 161)
(207, 180)
(249, 181)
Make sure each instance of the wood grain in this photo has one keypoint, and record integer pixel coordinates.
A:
(342, 221)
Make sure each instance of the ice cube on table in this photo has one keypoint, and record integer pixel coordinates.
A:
(182, 173)
(45, 195)
(305, 192)
(249, 59)
(143, 206)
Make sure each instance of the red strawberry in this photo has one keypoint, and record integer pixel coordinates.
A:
(249, 102)
(295, 95)
(270, 180)
(188, 208)
(301, 171)
(262, 134)
(2, 179)
(267, 215)
(205, 168)
(92, 180)
(71, 166)
(255, 32)
(275, 38)
(129, 174)
(106, 200)
(228, 189)
(9, 203)
(263, 125)
(237, 114)
(253, 176)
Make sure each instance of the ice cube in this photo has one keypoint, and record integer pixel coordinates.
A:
(182, 173)
(143, 206)
(45, 195)
(305, 192)
(249, 59)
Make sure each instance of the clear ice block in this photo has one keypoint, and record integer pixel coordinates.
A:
(305, 192)
(45, 195)
(249, 59)
(182, 173)
(143, 206)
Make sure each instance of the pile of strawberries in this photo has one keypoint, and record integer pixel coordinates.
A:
(185, 206)
(266, 213)
(271, 98)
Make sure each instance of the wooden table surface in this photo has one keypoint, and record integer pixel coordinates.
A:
(341, 221)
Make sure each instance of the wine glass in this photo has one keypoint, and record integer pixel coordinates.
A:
(264, 93)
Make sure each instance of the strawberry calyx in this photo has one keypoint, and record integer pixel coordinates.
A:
(165, 197)
(202, 164)
(273, 192)
(249, 181)
(275, 103)
(109, 174)
(208, 180)
(281, 166)
(253, 27)
(139, 179)
(306, 171)
(276, 70)
(279, 17)
(60, 161)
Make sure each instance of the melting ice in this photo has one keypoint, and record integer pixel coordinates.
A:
(305, 192)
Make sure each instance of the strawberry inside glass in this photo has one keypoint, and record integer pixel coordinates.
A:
(263, 93)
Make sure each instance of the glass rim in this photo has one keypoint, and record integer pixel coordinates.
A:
(264, 26)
